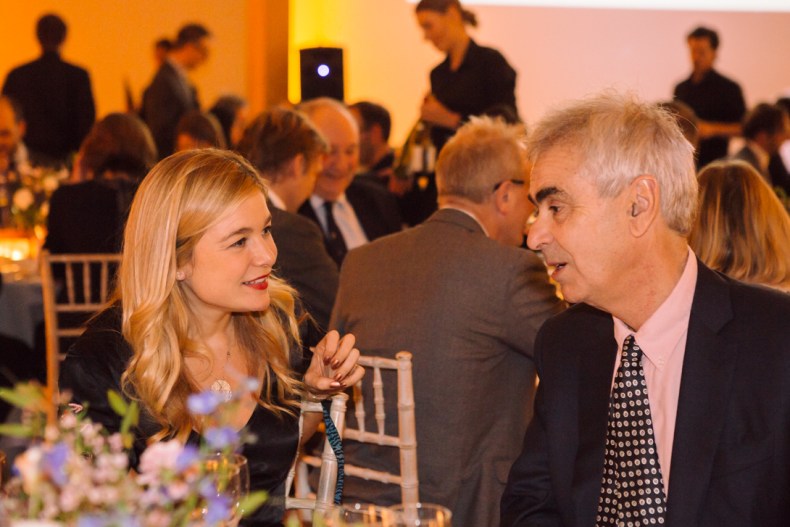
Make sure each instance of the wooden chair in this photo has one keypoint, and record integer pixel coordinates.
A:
(405, 441)
(85, 288)
(324, 497)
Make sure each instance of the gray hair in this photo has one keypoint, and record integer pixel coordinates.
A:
(618, 138)
(482, 153)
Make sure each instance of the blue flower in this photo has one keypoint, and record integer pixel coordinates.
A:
(188, 457)
(203, 403)
(218, 508)
(54, 463)
(221, 438)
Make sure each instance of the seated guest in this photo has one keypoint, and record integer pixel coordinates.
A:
(778, 166)
(231, 112)
(288, 152)
(765, 128)
(196, 309)
(458, 293)
(686, 119)
(198, 129)
(88, 217)
(664, 395)
(350, 213)
(376, 157)
(742, 229)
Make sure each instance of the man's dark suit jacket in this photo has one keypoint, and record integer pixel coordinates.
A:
(747, 155)
(376, 209)
(164, 102)
(302, 260)
(58, 104)
(731, 454)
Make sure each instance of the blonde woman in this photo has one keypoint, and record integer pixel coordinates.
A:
(197, 308)
(742, 229)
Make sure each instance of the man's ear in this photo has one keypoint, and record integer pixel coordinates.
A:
(296, 166)
(644, 204)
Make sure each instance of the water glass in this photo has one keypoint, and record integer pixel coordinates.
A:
(421, 515)
(231, 475)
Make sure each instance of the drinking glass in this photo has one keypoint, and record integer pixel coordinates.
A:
(230, 474)
(421, 515)
(354, 515)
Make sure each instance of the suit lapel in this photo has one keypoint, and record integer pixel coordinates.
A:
(708, 370)
(596, 368)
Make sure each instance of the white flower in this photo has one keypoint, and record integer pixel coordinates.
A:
(50, 183)
(23, 199)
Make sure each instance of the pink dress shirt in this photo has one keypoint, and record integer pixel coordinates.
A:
(663, 341)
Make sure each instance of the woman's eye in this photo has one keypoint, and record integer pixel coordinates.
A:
(239, 243)
(267, 231)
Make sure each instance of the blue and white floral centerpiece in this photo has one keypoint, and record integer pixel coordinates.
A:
(77, 474)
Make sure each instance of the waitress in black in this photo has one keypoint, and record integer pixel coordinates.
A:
(472, 80)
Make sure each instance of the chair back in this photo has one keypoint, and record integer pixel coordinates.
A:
(82, 287)
(405, 441)
(324, 497)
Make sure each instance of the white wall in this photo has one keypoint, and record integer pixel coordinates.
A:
(558, 53)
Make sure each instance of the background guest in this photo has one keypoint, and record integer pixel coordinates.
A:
(55, 96)
(686, 119)
(457, 293)
(765, 128)
(170, 94)
(717, 100)
(288, 152)
(231, 112)
(376, 157)
(13, 154)
(198, 129)
(161, 48)
(88, 217)
(350, 213)
(742, 229)
(197, 309)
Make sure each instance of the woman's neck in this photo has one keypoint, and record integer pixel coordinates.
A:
(458, 51)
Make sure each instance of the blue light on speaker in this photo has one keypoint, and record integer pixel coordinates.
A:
(323, 70)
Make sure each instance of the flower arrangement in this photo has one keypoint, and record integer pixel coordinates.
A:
(31, 189)
(76, 473)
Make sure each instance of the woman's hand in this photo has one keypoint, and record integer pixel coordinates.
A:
(334, 365)
(435, 112)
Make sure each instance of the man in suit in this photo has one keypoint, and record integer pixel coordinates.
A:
(287, 151)
(55, 96)
(765, 128)
(458, 293)
(170, 94)
(693, 433)
(716, 99)
(350, 213)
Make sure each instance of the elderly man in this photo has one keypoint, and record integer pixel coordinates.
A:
(170, 94)
(458, 293)
(349, 213)
(664, 394)
(55, 95)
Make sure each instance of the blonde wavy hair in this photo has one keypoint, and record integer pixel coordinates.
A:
(742, 229)
(183, 196)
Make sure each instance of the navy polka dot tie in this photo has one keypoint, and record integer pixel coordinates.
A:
(632, 490)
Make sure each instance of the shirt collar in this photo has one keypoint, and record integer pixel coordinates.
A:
(317, 201)
(468, 213)
(659, 335)
(763, 157)
(276, 200)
